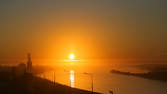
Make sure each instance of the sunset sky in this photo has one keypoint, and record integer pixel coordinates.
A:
(91, 29)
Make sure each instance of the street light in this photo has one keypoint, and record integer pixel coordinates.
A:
(54, 81)
(91, 75)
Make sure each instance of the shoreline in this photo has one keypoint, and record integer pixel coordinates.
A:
(30, 84)
(158, 75)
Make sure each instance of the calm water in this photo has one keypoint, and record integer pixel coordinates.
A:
(73, 74)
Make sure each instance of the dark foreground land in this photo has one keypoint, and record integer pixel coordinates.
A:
(153, 75)
(29, 84)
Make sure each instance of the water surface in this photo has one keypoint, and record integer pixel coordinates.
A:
(73, 74)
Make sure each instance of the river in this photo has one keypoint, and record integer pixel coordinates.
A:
(81, 74)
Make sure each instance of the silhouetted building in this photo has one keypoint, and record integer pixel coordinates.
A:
(29, 64)
(18, 70)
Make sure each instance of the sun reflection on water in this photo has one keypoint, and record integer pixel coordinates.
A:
(72, 79)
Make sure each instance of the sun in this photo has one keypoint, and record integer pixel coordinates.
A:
(71, 56)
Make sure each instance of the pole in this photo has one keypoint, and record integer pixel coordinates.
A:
(54, 77)
(91, 76)
(92, 82)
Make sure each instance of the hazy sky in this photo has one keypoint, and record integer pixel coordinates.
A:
(104, 29)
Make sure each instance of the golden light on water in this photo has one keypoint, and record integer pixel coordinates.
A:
(71, 78)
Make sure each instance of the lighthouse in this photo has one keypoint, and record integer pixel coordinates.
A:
(29, 63)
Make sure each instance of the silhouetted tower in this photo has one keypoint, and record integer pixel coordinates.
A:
(29, 63)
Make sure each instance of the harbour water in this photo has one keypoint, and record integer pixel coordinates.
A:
(77, 75)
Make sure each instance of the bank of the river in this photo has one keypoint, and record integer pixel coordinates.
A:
(29, 84)
(154, 75)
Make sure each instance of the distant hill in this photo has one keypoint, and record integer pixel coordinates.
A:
(154, 75)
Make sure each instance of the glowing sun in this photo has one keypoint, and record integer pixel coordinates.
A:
(71, 56)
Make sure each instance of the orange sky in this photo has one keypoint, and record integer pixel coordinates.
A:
(101, 30)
